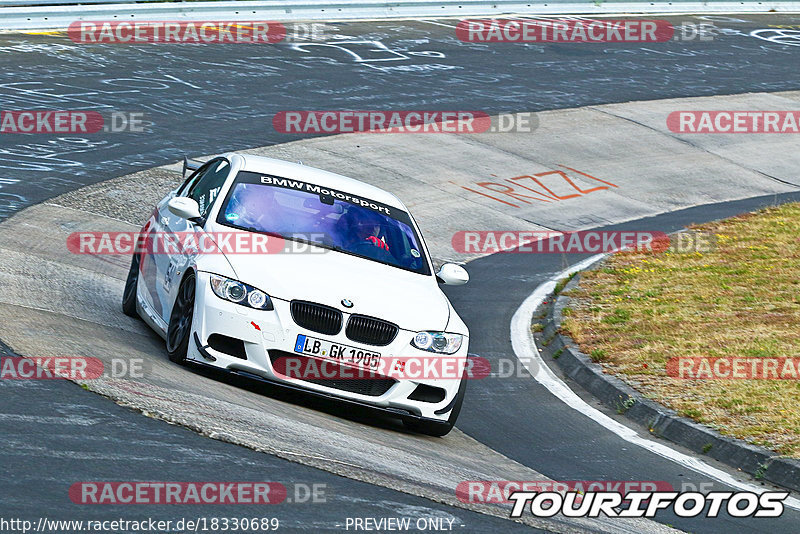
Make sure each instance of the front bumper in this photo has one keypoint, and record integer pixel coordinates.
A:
(268, 334)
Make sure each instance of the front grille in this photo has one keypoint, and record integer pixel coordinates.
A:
(370, 330)
(316, 317)
(372, 387)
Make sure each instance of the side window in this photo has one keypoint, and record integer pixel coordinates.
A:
(206, 185)
(193, 176)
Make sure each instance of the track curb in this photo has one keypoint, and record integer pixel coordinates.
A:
(662, 422)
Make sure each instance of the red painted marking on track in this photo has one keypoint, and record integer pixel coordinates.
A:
(546, 194)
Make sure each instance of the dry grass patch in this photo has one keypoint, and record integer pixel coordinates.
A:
(743, 299)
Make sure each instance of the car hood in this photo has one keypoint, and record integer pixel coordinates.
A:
(411, 301)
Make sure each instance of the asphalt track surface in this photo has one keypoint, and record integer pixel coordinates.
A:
(204, 99)
(59, 431)
(209, 99)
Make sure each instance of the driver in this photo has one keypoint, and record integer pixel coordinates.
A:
(368, 228)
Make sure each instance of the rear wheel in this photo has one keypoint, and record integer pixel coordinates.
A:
(180, 320)
(129, 294)
(437, 429)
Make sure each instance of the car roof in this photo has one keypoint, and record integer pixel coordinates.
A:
(298, 171)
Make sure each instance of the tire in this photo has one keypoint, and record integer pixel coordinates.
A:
(129, 293)
(179, 330)
(430, 428)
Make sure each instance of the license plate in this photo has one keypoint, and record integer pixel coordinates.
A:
(319, 348)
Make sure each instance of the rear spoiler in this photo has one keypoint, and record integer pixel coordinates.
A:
(191, 165)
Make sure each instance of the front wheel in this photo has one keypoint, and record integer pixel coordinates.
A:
(180, 321)
(439, 429)
(129, 294)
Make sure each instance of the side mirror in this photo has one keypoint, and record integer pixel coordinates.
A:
(184, 207)
(452, 275)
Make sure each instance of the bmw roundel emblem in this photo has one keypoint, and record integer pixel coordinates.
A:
(347, 303)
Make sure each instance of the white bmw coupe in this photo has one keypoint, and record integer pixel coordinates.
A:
(342, 301)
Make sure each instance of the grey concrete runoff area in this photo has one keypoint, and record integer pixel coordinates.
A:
(623, 164)
(653, 171)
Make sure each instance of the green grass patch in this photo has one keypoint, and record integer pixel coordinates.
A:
(598, 355)
(739, 298)
(561, 284)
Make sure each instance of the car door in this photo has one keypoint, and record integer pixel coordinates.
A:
(204, 187)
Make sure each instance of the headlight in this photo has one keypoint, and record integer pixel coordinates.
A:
(439, 342)
(240, 293)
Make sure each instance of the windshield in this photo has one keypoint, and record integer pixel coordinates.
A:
(332, 219)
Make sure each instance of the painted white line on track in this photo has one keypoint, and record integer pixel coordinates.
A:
(526, 351)
(438, 23)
